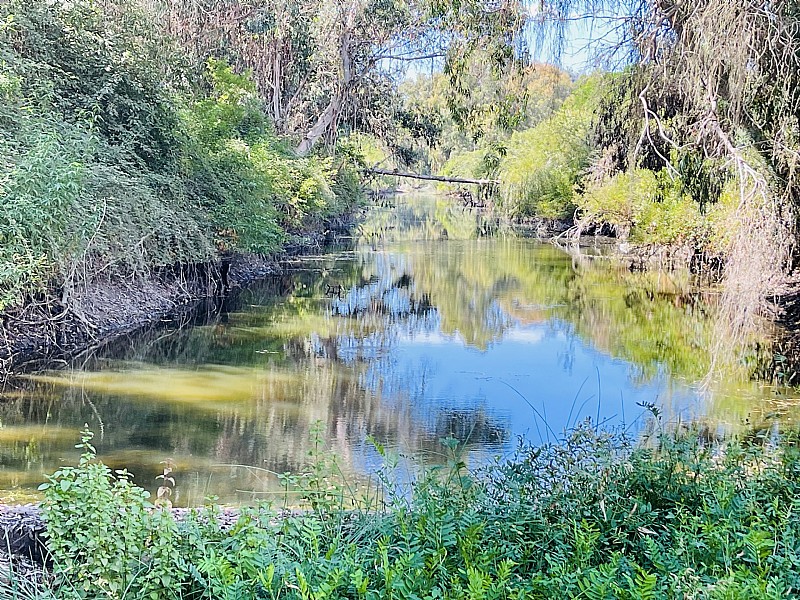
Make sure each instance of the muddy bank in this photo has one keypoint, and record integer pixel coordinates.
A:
(50, 331)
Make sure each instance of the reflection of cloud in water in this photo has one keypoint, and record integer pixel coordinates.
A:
(527, 336)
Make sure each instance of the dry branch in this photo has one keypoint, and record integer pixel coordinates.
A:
(432, 177)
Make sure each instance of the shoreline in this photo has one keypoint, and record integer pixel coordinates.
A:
(49, 333)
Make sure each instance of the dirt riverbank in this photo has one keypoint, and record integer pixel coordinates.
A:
(49, 331)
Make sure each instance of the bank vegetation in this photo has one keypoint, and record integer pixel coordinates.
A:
(591, 516)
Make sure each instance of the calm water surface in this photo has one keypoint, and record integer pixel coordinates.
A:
(419, 328)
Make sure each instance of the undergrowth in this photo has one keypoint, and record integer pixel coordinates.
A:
(592, 516)
(118, 156)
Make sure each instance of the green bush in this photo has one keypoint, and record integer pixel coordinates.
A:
(654, 208)
(107, 540)
(591, 516)
(109, 167)
(543, 164)
(619, 201)
(470, 165)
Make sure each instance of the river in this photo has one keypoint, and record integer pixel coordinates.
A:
(429, 322)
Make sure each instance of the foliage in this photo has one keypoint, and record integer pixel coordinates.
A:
(469, 164)
(113, 165)
(591, 516)
(522, 97)
(543, 164)
(106, 539)
(646, 207)
(325, 67)
(715, 81)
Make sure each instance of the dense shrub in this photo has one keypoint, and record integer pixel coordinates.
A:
(543, 164)
(656, 208)
(117, 158)
(592, 516)
(471, 165)
(540, 166)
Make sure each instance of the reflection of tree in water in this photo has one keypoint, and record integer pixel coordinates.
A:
(271, 430)
(481, 288)
(424, 218)
(298, 357)
(473, 428)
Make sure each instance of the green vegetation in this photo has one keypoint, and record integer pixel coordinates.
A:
(543, 164)
(434, 131)
(118, 159)
(591, 516)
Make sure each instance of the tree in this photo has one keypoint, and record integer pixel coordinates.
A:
(717, 80)
(314, 59)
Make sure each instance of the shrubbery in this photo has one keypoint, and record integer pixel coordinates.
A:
(117, 158)
(543, 164)
(573, 164)
(592, 516)
(655, 208)
(538, 167)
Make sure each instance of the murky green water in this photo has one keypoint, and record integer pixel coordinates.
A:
(421, 328)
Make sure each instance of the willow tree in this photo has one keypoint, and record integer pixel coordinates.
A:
(719, 80)
(314, 59)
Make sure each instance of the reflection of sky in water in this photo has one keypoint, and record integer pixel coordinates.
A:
(531, 381)
(535, 377)
(409, 341)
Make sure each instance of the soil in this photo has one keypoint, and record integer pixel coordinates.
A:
(50, 331)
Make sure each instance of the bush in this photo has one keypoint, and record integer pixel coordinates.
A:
(619, 201)
(543, 164)
(109, 169)
(591, 516)
(654, 208)
(105, 537)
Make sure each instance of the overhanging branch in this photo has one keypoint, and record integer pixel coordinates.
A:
(432, 177)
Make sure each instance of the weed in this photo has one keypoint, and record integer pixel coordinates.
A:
(591, 516)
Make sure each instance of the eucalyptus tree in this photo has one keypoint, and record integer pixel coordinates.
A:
(317, 61)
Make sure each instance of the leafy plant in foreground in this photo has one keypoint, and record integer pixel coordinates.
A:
(592, 516)
(105, 537)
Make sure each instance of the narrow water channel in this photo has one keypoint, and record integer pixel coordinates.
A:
(427, 324)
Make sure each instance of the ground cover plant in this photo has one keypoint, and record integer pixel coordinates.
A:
(591, 516)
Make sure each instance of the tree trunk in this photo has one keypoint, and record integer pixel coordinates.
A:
(323, 124)
(329, 116)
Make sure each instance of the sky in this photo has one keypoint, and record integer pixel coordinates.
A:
(583, 39)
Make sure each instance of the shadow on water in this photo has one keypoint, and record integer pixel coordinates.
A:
(433, 322)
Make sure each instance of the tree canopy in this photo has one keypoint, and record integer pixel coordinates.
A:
(323, 65)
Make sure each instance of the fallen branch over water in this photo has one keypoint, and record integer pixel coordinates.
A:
(432, 177)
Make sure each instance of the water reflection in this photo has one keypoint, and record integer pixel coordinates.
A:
(423, 327)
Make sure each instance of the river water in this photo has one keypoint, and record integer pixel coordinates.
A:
(429, 323)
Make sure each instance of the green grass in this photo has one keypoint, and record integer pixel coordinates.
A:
(592, 516)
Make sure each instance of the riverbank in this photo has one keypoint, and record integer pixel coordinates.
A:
(594, 515)
(136, 181)
(52, 332)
